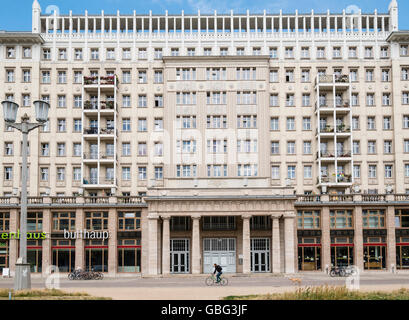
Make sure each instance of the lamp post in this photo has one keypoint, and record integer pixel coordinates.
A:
(22, 278)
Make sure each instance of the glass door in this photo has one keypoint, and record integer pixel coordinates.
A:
(374, 257)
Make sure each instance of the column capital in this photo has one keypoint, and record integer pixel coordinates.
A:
(165, 217)
(153, 216)
(289, 215)
(246, 216)
(276, 216)
(196, 217)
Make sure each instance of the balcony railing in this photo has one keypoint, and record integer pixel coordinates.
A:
(63, 200)
(94, 130)
(337, 78)
(74, 200)
(99, 200)
(353, 198)
(329, 103)
(96, 156)
(331, 154)
(104, 105)
(373, 197)
(102, 180)
(132, 200)
(109, 80)
(334, 179)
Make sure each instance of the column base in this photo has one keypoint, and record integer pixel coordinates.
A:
(22, 280)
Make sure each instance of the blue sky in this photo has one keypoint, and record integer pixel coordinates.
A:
(16, 15)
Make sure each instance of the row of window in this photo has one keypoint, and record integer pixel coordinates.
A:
(321, 52)
(344, 219)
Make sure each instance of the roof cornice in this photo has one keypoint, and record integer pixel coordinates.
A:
(20, 37)
(398, 36)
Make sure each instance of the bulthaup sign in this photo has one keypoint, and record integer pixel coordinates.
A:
(85, 234)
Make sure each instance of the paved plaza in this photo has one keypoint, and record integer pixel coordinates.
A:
(194, 288)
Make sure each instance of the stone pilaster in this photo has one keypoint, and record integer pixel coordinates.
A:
(13, 243)
(153, 244)
(276, 259)
(166, 245)
(196, 254)
(79, 243)
(359, 239)
(391, 239)
(112, 243)
(246, 244)
(47, 228)
(326, 239)
(289, 237)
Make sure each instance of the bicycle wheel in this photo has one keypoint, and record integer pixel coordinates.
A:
(333, 273)
(224, 282)
(71, 276)
(209, 281)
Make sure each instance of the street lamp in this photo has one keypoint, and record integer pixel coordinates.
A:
(22, 278)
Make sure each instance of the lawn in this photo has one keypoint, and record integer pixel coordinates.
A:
(328, 293)
(46, 294)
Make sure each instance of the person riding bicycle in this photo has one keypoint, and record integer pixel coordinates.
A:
(219, 270)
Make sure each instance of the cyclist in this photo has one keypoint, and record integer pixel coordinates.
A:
(219, 270)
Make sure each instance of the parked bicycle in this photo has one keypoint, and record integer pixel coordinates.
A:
(80, 274)
(212, 281)
(343, 271)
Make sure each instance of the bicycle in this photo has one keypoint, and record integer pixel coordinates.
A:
(212, 281)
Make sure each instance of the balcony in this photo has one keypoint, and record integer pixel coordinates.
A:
(103, 106)
(328, 81)
(333, 180)
(102, 131)
(330, 154)
(357, 198)
(92, 182)
(327, 105)
(103, 81)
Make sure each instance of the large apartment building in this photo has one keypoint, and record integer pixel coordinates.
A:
(262, 142)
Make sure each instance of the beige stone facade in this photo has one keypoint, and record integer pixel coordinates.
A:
(265, 143)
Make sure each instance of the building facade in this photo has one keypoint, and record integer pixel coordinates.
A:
(262, 142)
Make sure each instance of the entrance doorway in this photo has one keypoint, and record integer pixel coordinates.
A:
(309, 254)
(221, 251)
(260, 255)
(179, 255)
(374, 257)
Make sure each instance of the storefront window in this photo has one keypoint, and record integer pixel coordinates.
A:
(342, 251)
(374, 253)
(96, 255)
(129, 221)
(373, 218)
(63, 221)
(4, 221)
(35, 255)
(309, 254)
(129, 255)
(180, 223)
(4, 255)
(402, 218)
(341, 219)
(64, 255)
(402, 252)
(96, 220)
(34, 221)
(309, 219)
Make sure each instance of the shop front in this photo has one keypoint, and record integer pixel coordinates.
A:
(402, 251)
(309, 253)
(96, 255)
(375, 253)
(342, 248)
(63, 255)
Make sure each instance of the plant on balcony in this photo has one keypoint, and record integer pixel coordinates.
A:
(110, 104)
(87, 105)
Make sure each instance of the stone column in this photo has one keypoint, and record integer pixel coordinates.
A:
(47, 257)
(391, 239)
(289, 242)
(196, 254)
(326, 240)
(166, 245)
(246, 244)
(359, 240)
(112, 243)
(276, 261)
(79, 243)
(13, 242)
(153, 244)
